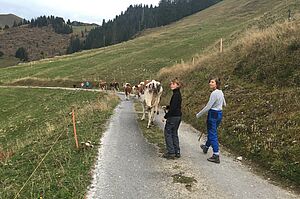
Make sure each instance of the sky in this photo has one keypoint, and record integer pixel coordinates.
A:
(90, 11)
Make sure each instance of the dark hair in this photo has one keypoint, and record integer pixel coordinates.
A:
(217, 80)
(176, 81)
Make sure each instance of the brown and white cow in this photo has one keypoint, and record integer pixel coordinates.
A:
(114, 86)
(102, 85)
(150, 100)
(127, 90)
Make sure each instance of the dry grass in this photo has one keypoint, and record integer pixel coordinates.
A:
(283, 32)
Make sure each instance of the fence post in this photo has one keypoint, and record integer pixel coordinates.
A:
(221, 45)
(74, 126)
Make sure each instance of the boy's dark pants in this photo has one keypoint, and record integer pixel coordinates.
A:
(171, 135)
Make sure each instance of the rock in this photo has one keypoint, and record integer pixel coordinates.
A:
(240, 158)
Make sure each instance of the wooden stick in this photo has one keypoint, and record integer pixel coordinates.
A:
(74, 126)
(221, 45)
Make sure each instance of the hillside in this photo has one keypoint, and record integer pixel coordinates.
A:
(159, 47)
(39, 42)
(261, 71)
(8, 19)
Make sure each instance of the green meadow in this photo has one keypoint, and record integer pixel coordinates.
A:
(38, 156)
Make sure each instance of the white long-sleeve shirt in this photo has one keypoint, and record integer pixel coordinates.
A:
(216, 102)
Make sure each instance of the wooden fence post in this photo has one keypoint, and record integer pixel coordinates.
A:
(221, 45)
(74, 126)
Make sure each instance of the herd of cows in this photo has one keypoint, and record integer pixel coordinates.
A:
(147, 92)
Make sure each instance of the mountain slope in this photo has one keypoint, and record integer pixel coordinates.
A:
(159, 47)
(38, 42)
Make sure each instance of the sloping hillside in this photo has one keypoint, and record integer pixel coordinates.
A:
(143, 57)
(39, 42)
(8, 19)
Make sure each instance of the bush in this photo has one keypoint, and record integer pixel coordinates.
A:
(22, 54)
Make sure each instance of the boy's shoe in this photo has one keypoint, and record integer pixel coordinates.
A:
(204, 148)
(214, 158)
(177, 155)
(169, 156)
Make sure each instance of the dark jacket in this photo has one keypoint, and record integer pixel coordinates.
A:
(174, 109)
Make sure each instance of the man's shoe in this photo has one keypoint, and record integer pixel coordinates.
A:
(169, 156)
(204, 148)
(214, 158)
(177, 155)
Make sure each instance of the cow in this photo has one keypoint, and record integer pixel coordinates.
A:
(150, 100)
(102, 85)
(114, 86)
(127, 90)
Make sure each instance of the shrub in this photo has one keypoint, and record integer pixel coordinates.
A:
(22, 54)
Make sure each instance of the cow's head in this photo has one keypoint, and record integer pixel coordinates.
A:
(151, 93)
(153, 87)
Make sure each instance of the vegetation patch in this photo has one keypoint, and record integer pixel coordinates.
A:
(181, 178)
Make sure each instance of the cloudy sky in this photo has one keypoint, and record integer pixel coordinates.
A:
(91, 11)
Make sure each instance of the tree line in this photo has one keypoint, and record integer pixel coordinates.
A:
(57, 23)
(137, 18)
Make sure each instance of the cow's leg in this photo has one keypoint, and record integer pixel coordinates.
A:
(143, 106)
(157, 104)
(150, 117)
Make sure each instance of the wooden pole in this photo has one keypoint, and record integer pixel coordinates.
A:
(74, 126)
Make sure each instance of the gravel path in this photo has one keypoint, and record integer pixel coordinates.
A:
(128, 166)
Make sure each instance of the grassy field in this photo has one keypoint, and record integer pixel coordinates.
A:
(143, 57)
(36, 122)
(77, 29)
(8, 61)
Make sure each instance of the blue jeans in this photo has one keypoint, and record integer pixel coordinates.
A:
(214, 119)
(171, 135)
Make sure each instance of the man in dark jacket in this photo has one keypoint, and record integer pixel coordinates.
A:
(173, 117)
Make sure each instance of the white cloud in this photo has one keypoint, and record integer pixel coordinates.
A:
(93, 11)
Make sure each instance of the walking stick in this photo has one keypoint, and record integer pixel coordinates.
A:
(200, 135)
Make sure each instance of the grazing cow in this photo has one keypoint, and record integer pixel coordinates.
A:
(127, 89)
(102, 85)
(114, 86)
(150, 100)
(135, 90)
